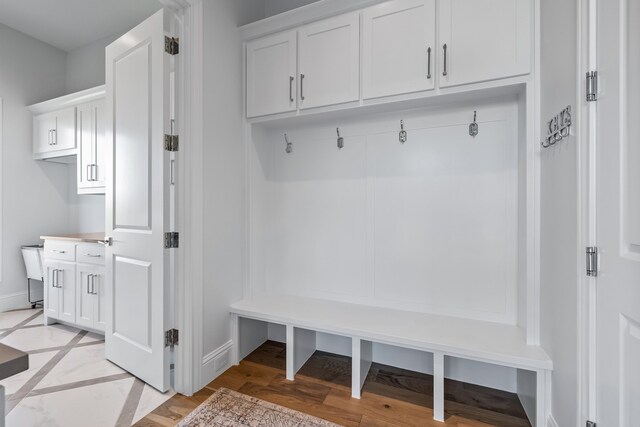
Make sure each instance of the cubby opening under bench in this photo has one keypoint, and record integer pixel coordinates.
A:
(443, 339)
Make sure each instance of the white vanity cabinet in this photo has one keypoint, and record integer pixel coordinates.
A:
(330, 61)
(74, 283)
(483, 40)
(398, 48)
(54, 131)
(271, 75)
(91, 147)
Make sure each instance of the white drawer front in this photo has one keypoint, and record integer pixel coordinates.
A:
(90, 253)
(63, 251)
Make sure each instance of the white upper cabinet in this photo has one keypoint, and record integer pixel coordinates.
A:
(330, 61)
(483, 40)
(399, 48)
(271, 75)
(54, 131)
(91, 136)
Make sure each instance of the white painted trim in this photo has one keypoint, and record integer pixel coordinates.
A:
(14, 301)
(71, 100)
(551, 422)
(208, 362)
(302, 15)
(1, 177)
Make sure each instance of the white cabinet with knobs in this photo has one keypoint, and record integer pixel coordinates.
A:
(330, 61)
(483, 40)
(74, 284)
(398, 48)
(90, 136)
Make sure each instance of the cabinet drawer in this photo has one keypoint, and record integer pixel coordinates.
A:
(62, 251)
(88, 253)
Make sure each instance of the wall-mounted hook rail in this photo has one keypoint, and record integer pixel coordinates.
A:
(340, 139)
(403, 133)
(289, 148)
(558, 128)
(473, 127)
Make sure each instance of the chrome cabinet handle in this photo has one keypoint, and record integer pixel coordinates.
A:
(444, 71)
(53, 278)
(54, 137)
(302, 86)
(56, 279)
(291, 79)
(93, 255)
(58, 251)
(93, 284)
(429, 62)
(94, 171)
(49, 137)
(89, 283)
(89, 173)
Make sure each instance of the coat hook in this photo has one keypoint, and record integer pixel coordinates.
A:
(340, 139)
(289, 148)
(473, 127)
(403, 133)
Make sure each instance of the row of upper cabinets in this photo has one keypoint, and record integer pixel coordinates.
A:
(74, 133)
(395, 48)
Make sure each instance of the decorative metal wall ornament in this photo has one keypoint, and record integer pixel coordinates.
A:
(289, 148)
(403, 133)
(473, 127)
(558, 128)
(340, 139)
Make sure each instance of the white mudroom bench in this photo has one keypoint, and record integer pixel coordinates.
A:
(481, 341)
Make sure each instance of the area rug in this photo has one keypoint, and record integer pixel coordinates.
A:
(227, 408)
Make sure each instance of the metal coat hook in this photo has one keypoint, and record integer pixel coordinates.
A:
(289, 148)
(473, 127)
(403, 133)
(340, 139)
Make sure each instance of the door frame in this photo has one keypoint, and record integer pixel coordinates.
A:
(188, 306)
(587, 221)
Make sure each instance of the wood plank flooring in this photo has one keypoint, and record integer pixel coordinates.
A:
(391, 396)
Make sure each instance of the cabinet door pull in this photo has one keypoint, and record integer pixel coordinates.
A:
(58, 251)
(93, 284)
(53, 278)
(54, 137)
(444, 71)
(92, 255)
(429, 62)
(291, 79)
(89, 283)
(57, 274)
(302, 86)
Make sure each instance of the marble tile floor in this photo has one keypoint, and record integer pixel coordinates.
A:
(69, 382)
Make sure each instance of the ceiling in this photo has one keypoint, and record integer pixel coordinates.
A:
(70, 24)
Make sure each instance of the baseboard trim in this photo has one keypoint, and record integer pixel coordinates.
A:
(551, 422)
(14, 301)
(210, 369)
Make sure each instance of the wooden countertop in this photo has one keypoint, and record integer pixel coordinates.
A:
(78, 237)
(12, 361)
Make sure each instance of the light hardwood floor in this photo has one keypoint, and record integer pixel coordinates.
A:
(391, 396)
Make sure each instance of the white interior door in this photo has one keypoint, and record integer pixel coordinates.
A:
(618, 215)
(137, 209)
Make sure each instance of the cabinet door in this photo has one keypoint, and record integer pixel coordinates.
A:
(99, 300)
(484, 39)
(66, 282)
(330, 61)
(43, 126)
(85, 298)
(99, 136)
(271, 75)
(51, 291)
(65, 131)
(85, 146)
(399, 49)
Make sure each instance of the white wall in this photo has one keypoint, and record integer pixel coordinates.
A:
(86, 65)
(559, 205)
(34, 194)
(224, 172)
(274, 7)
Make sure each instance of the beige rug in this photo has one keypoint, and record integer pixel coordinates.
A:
(226, 408)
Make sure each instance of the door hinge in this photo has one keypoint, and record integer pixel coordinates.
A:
(171, 240)
(592, 261)
(592, 86)
(591, 424)
(171, 142)
(171, 45)
(171, 337)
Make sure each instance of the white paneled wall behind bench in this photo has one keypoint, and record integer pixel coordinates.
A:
(430, 225)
